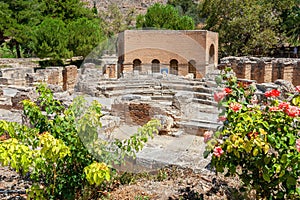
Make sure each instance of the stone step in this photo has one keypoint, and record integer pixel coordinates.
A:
(162, 98)
(197, 128)
(206, 102)
(151, 81)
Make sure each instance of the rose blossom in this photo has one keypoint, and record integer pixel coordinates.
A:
(228, 90)
(298, 145)
(218, 152)
(207, 135)
(272, 93)
(219, 96)
(284, 105)
(293, 111)
(222, 118)
(235, 106)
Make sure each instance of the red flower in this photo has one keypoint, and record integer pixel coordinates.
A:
(298, 88)
(219, 96)
(284, 105)
(272, 93)
(218, 152)
(252, 134)
(293, 111)
(222, 118)
(235, 106)
(228, 90)
(298, 145)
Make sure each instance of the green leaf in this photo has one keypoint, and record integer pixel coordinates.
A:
(291, 180)
(255, 152)
(266, 177)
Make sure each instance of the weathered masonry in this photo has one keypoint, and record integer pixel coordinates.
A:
(264, 69)
(180, 53)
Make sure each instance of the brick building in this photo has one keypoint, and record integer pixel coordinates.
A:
(166, 51)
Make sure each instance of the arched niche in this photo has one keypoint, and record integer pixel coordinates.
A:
(137, 65)
(192, 67)
(155, 66)
(211, 54)
(174, 67)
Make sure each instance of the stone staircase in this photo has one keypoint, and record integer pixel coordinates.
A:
(198, 115)
(156, 89)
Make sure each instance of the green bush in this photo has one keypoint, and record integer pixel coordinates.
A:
(50, 147)
(258, 142)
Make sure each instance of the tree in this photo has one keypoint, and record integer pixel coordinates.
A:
(23, 15)
(291, 24)
(246, 27)
(66, 10)
(164, 16)
(114, 21)
(84, 35)
(187, 7)
(51, 39)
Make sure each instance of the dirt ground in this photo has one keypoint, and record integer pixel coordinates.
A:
(169, 183)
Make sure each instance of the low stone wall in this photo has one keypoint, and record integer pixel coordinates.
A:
(64, 77)
(264, 69)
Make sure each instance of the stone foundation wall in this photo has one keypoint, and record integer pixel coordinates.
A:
(64, 77)
(264, 69)
(69, 77)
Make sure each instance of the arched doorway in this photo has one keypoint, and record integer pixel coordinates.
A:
(174, 67)
(192, 67)
(155, 67)
(211, 54)
(137, 65)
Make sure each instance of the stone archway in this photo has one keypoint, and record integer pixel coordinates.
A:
(174, 67)
(192, 68)
(137, 65)
(155, 66)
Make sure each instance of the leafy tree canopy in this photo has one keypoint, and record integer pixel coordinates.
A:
(47, 28)
(187, 7)
(248, 27)
(166, 17)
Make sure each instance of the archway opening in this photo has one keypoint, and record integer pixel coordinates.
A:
(155, 67)
(137, 65)
(192, 67)
(174, 67)
(211, 54)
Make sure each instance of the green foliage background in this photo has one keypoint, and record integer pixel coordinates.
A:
(61, 29)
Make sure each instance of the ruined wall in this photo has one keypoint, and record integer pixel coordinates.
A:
(65, 77)
(264, 69)
(69, 77)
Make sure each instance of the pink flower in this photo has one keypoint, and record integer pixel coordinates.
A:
(298, 145)
(222, 118)
(274, 108)
(235, 106)
(207, 135)
(218, 152)
(228, 90)
(284, 105)
(219, 96)
(292, 111)
(272, 93)
(298, 88)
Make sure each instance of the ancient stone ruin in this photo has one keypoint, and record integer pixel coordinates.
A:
(18, 78)
(264, 70)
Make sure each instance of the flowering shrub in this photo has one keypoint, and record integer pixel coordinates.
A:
(259, 142)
